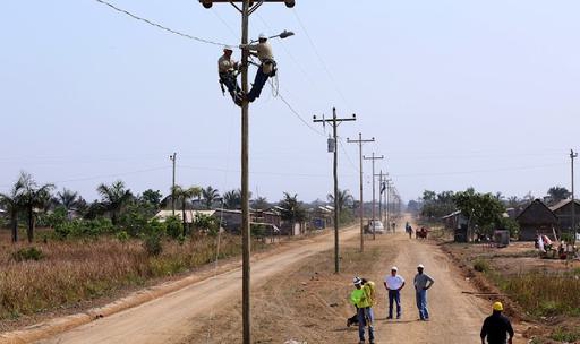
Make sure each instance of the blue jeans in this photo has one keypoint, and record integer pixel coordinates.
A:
(259, 83)
(366, 317)
(394, 295)
(422, 304)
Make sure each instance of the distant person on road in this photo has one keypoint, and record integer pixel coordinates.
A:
(409, 231)
(422, 283)
(363, 299)
(393, 284)
(496, 327)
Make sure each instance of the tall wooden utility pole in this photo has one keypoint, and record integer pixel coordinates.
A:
(173, 158)
(248, 7)
(572, 156)
(360, 141)
(335, 122)
(374, 158)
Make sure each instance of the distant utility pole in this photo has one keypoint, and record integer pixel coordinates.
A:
(572, 156)
(248, 7)
(173, 158)
(373, 158)
(388, 181)
(360, 141)
(335, 122)
(381, 183)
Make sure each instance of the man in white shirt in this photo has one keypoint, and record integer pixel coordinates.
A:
(263, 51)
(394, 283)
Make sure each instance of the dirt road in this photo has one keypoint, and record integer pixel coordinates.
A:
(454, 317)
(296, 296)
(168, 319)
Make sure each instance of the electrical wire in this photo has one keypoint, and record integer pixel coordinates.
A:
(300, 117)
(321, 60)
(159, 26)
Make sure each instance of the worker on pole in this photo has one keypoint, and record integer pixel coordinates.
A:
(228, 72)
(263, 51)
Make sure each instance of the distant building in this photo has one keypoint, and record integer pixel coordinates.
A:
(536, 219)
(563, 211)
(190, 214)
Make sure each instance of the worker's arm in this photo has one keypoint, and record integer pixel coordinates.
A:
(483, 332)
(402, 285)
(430, 282)
(386, 286)
(510, 331)
(250, 47)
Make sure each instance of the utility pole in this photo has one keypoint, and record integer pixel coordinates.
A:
(388, 181)
(572, 156)
(360, 141)
(373, 158)
(173, 159)
(335, 122)
(248, 7)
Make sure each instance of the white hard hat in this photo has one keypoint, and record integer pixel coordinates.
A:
(228, 47)
(356, 280)
(262, 35)
(420, 266)
(394, 268)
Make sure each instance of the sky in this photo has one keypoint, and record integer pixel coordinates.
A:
(456, 93)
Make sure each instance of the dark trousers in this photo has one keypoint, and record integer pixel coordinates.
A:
(394, 296)
(231, 84)
(259, 83)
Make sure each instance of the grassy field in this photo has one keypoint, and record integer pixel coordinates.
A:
(57, 274)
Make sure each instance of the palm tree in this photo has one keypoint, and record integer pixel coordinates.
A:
(293, 209)
(67, 198)
(10, 202)
(183, 195)
(261, 203)
(114, 197)
(232, 199)
(31, 196)
(344, 197)
(210, 195)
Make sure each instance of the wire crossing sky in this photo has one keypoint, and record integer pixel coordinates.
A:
(457, 94)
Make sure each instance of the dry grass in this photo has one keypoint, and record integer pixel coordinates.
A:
(72, 271)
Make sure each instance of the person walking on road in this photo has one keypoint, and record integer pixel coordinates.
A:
(361, 298)
(422, 283)
(496, 327)
(393, 284)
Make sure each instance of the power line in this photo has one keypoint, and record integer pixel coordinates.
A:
(300, 117)
(322, 61)
(149, 22)
(522, 168)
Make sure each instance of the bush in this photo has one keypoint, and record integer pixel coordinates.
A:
(173, 227)
(30, 253)
(123, 236)
(481, 265)
(152, 244)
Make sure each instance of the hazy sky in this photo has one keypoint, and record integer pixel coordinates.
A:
(457, 94)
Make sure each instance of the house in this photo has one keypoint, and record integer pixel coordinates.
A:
(190, 214)
(459, 224)
(536, 219)
(563, 211)
(231, 219)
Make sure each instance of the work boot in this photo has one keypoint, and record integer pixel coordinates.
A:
(348, 322)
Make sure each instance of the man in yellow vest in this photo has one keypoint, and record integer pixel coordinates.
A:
(363, 298)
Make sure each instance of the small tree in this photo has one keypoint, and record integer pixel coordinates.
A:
(294, 210)
(210, 195)
(184, 195)
(558, 193)
(114, 198)
(30, 197)
(11, 203)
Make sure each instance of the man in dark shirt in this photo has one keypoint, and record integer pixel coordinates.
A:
(496, 327)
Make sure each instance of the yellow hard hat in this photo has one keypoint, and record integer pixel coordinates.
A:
(497, 306)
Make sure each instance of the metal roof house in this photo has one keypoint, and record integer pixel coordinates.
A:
(536, 218)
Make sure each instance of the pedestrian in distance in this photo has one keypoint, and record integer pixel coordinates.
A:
(496, 327)
(394, 283)
(362, 298)
(422, 283)
(410, 231)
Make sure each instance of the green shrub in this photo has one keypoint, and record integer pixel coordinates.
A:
(566, 336)
(30, 253)
(152, 244)
(481, 265)
(123, 236)
(173, 227)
